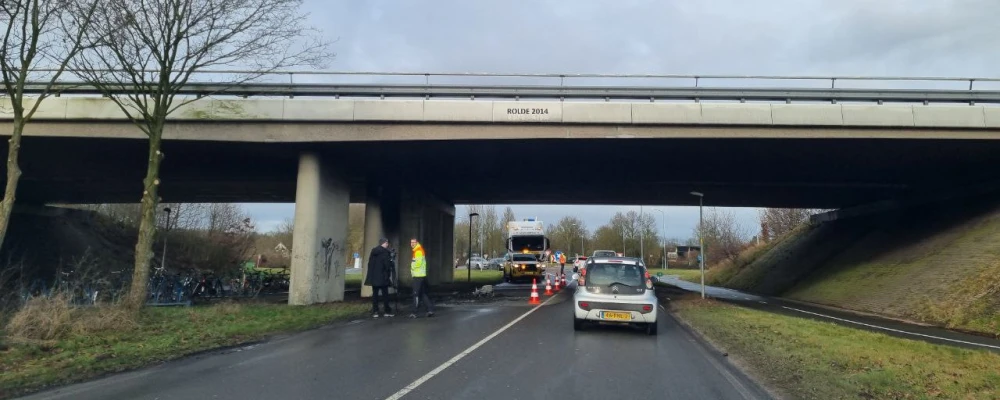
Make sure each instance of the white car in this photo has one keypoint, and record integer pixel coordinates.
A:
(615, 290)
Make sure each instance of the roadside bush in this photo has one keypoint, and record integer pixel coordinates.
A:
(45, 320)
(41, 320)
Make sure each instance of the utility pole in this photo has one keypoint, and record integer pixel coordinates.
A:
(163, 259)
(469, 263)
(642, 236)
(701, 238)
(663, 220)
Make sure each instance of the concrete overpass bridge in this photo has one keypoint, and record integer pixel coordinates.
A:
(411, 152)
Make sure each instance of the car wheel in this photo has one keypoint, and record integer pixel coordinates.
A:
(577, 324)
(651, 329)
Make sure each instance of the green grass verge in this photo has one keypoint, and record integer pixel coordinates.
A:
(162, 334)
(690, 275)
(479, 277)
(352, 280)
(808, 359)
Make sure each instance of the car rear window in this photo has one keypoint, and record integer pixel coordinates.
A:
(605, 274)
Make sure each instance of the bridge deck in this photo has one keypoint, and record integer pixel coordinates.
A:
(481, 111)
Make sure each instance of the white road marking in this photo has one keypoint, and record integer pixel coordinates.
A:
(893, 330)
(420, 381)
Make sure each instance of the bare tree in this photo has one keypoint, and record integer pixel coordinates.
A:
(779, 221)
(32, 37)
(724, 236)
(567, 234)
(158, 45)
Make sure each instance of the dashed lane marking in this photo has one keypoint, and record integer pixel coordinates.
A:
(420, 381)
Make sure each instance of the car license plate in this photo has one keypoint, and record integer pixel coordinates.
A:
(616, 316)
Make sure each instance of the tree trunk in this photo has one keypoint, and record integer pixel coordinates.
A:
(147, 223)
(13, 175)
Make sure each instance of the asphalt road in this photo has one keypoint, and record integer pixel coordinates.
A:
(502, 350)
(873, 323)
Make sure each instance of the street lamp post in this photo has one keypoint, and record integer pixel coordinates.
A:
(642, 238)
(469, 262)
(624, 252)
(570, 239)
(163, 259)
(701, 238)
(663, 220)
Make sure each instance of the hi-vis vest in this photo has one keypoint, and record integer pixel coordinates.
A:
(418, 266)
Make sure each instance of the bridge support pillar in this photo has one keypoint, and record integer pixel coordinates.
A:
(448, 245)
(319, 242)
(381, 220)
(431, 222)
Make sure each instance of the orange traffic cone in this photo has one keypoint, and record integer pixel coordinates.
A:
(534, 292)
(548, 286)
(558, 288)
(564, 280)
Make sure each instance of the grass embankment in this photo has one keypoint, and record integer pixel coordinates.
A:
(690, 275)
(84, 346)
(807, 359)
(933, 264)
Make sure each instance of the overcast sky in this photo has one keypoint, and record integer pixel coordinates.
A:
(770, 37)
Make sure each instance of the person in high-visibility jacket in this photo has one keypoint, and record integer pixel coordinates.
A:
(418, 270)
(562, 264)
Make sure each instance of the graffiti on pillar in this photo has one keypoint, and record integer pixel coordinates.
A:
(329, 263)
(328, 249)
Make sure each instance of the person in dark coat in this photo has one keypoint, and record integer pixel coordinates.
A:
(380, 271)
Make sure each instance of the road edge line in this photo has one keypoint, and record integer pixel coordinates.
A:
(420, 381)
(893, 329)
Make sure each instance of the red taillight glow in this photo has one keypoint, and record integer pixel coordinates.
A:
(647, 308)
(584, 304)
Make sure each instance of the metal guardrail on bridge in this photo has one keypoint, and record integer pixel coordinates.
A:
(568, 86)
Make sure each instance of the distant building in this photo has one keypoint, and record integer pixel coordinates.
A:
(282, 250)
(683, 252)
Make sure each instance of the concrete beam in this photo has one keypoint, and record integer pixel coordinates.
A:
(950, 116)
(884, 115)
(631, 113)
(319, 242)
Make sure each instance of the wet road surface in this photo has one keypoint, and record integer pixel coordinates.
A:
(504, 350)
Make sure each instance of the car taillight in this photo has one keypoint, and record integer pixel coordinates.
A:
(584, 305)
(647, 307)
